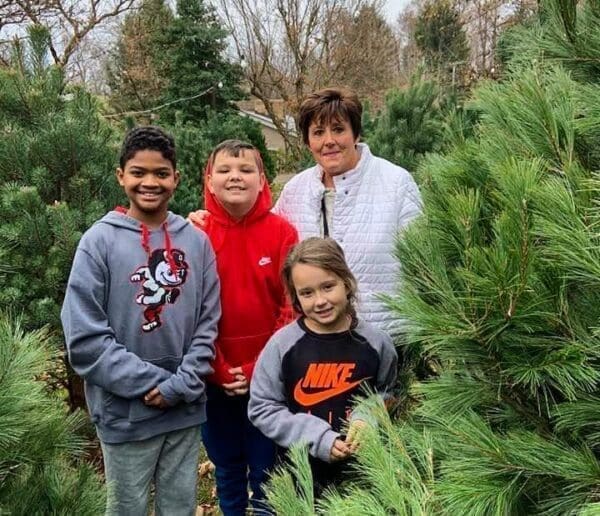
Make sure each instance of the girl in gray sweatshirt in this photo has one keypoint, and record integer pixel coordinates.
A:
(310, 371)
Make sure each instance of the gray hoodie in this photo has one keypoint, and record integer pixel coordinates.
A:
(141, 311)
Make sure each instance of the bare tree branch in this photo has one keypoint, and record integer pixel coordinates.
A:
(69, 21)
(292, 47)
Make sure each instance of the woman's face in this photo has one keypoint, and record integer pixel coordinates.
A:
(333, 145)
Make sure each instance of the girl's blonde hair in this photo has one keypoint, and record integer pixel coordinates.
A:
(326, 254)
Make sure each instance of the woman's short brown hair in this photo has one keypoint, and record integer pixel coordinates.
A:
(329, 104)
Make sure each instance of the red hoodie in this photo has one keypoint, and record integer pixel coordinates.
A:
(250, 254)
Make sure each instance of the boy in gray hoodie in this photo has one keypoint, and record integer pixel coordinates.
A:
(140, 319)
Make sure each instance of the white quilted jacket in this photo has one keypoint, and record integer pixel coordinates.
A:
(372, 203)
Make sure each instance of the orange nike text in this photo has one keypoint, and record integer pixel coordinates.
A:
(331, 378)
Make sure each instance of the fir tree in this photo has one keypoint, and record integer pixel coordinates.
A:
(192, 60)
(410, 125)
(41, 466)
(133, 72)
(500, 295)
(56, 179)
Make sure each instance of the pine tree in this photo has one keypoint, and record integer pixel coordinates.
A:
(500, 295)
(41, 452)
(133, 72)
(410, 125)
(193, 62)
(440, 36)
(56, 179)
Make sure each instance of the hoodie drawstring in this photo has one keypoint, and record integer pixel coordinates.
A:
(168, 249)
(146, 241)
(170, 259)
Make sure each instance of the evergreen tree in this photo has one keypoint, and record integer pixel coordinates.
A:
(134, 76)
(192, 60)
(41, 467)
(500, 297)
(364, 51)
(568, 37)
(440, 36)
(56, 179)
(410, 125)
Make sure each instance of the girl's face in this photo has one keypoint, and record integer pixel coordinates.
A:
(323, 298)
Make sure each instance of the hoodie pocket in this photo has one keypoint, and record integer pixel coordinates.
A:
(115, 408)
(133, 410)
(168, 362)
(139, 411)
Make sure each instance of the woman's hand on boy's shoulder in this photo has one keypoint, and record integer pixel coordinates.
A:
(198, 218)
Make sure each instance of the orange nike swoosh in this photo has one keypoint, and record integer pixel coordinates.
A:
(312, 398)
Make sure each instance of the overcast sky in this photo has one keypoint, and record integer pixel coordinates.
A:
(393, 7)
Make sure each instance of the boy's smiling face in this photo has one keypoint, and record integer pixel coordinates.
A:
(236, 182)
(149, 181)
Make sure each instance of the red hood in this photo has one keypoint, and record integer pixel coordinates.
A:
(250, 253)
(218, 214)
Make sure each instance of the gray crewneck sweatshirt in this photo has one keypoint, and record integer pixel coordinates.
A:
(141, 311)
(304, 383)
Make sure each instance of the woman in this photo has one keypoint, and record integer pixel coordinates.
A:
(350, 195)
(358, 199)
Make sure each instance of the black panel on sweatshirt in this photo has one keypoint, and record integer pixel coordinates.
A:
(324, 372)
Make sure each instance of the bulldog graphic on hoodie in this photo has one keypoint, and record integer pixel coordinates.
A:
(166, 270)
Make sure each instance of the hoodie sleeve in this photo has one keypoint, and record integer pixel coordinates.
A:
(268, 411)
(221, 368)
(187, 384)
(388, 367)
(285, 312)
(92, 348)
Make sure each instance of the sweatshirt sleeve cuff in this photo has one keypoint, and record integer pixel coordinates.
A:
(325, 445)
(248, 369)
(168, 393)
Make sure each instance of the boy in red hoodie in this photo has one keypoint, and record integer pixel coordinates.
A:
(251, 245)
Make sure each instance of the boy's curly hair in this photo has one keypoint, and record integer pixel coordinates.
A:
(148, 137)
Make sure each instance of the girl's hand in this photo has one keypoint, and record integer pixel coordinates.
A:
(198, 218)
(339, 451)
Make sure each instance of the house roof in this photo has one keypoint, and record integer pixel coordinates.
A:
(268, 122)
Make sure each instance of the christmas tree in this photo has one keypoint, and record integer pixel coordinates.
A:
(57, 162)
(41, 466)
(500, 298)
(192, 60)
